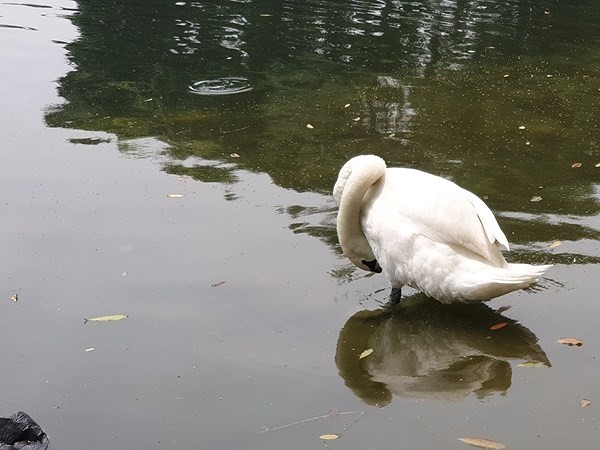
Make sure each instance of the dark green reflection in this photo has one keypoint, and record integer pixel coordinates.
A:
(500, 96)
(428, 350)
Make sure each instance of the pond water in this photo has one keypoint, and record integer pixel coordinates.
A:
(245, 323)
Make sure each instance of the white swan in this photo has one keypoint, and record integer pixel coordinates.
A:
(424, 231)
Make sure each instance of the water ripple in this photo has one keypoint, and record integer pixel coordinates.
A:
(221, 86)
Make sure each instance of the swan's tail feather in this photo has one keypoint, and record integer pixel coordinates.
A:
(504, 280)
(519, 274)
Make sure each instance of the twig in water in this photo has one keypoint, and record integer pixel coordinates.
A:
(326, 416)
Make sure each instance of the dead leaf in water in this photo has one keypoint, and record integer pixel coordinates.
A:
(220, 283)
(14, 297)
(234, 155)
(570, 342)
(329, 437)
(554, 244)
(174, 195)
(576, 165)
(503, 308)
(366, 353)
(482, 443)
(536, 198)
(584, 402)
(498, 326)
(106, 318)
(598, 165)
(530, 364)
(309, 126)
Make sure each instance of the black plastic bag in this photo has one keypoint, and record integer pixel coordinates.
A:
(20, 432)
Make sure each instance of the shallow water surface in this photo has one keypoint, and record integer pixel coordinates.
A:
(245, 323)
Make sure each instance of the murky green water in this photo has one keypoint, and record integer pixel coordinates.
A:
(243, 316)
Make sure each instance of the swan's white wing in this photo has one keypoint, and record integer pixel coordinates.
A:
(415, 202)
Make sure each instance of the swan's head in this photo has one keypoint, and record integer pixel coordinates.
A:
(354, 179)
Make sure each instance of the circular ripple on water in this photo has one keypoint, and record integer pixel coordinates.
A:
(221, 86)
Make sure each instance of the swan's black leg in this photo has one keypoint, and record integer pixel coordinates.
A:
(395, 296)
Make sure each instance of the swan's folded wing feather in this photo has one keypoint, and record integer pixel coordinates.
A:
(439, 209)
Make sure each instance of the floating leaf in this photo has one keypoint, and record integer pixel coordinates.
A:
(598, 165)
(220, 283)
(584, 402)
(570, 341)
(576, 165)
(482, 443)
(106, 318)
(503, 308)
(522, 127)
(347, 105)
(498, 326)
(329, 437)
(309, 126)
(234, 155)
(14, 297)
(366, 353)
(356, 119)
(91, 349)
(174, 195)
(536, 198)
(530, 364)
(554, 244)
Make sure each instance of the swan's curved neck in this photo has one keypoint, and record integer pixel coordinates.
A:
(364, 173)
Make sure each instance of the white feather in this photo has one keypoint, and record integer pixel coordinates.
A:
(426, 232)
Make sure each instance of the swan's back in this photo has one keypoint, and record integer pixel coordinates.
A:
(430, 233)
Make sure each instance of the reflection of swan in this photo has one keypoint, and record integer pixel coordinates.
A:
(425, 349)
(423, 231)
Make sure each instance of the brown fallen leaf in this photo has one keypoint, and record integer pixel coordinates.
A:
(220, 283)
(503, 308)
(329, 437)
(498, 326)
(584, 402)
(576, 165)
(570, 342)
(482, 443)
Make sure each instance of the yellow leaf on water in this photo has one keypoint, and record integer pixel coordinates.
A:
(106, 318)
(366, 353)
(530, 364)
(570, 341)
(482, 443)
(309, 126)
(554, 244)
(584, 402)
(329, 437)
